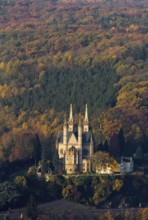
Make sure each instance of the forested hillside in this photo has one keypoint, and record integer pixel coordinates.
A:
(54, 54)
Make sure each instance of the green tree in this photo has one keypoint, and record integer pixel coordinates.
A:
(20, 181)
(102, 191)
(109, 216)
(70, 192)
(139, 154)
(106, 146)
(117, 184)
(144, 214)
(114, 148)
(121, 141)
(8, 195)
(103, 159)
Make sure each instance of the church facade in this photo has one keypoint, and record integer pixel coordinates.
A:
(75, 145)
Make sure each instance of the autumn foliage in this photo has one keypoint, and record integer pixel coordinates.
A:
(54, 54)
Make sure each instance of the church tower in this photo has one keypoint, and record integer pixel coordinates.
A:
(86, 122)
(65, 133)
(91, 146)
(80, 131)
(70, 123)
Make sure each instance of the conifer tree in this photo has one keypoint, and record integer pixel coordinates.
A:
(139, 154)
(106, 146)
(121, 141)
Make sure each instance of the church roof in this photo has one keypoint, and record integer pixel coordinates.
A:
(86, 136)
(124, 159)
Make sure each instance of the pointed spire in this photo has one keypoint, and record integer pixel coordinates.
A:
(70, 127)
(86, 122)
(86, 113)
(65, 131)
(91, 146)
(71, 113)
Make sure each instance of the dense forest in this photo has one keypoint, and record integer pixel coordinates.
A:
(100, 191)
(54, 54)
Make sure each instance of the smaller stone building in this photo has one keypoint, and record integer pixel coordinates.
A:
(126, 165)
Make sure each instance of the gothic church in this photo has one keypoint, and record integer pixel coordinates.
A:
(75, 146)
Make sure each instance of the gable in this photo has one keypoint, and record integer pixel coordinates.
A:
(72, 140)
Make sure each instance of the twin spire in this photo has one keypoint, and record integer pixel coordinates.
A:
(86, 124)
(86, 114)
(71, 113)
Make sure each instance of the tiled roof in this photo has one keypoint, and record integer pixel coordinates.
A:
(85, 136)
(124, 159)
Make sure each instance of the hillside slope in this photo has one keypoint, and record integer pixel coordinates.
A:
(56, 54)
